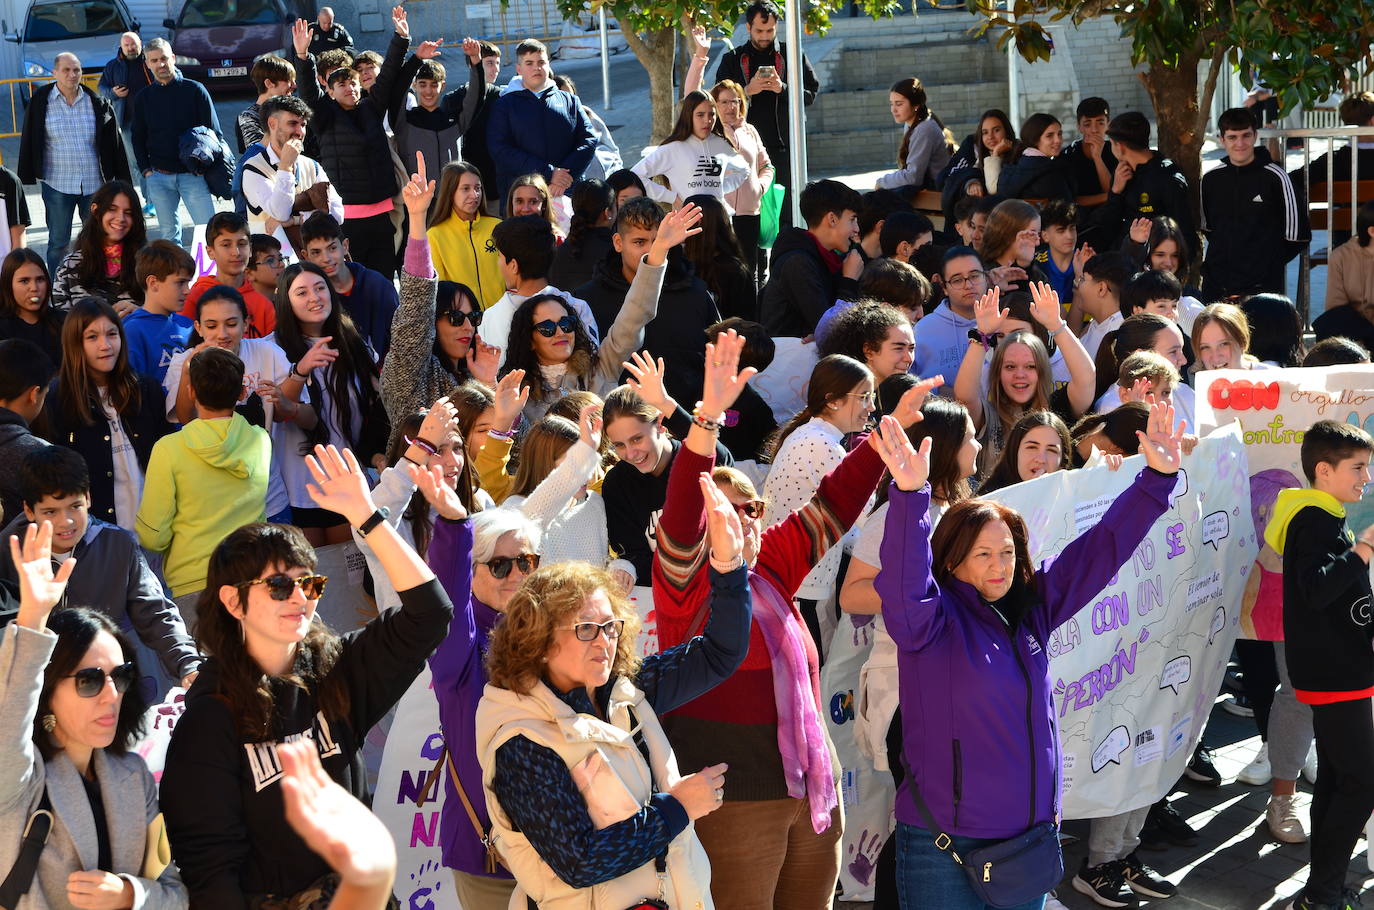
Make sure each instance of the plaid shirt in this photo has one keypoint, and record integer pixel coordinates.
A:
(70, 162)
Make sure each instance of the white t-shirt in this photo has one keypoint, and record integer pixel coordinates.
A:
(128, 476)
(1185, 403)
(1096, 331)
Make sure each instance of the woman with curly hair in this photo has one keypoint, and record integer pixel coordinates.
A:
(101, 263)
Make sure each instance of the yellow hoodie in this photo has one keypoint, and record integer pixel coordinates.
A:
(1289, 504)
(463, 251)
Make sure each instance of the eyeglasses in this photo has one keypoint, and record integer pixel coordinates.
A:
(751, 509)
(90, 682)
(865, 397)
(588, 631)
(458, 317)
(272, 260)
(281, 587)
(548, 328)
(734, 102)
(958, 281)
(500, 566)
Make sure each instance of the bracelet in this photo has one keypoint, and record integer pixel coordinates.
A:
(722, 567)
(421, 443)
(377, 517)
(1062, 327)
(293, 372)
(709, 424)
(501, 434)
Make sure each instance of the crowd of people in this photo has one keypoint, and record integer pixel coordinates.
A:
(450, 328)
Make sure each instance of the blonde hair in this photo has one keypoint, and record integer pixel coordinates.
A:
(1148, 365)
(736, 481)
(1232, 320)
(543, 447)
(548, 599)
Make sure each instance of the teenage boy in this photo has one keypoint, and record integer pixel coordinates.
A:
(226, 239)
(436, 125)
(1326, 630)
(902, 234)
(354, 148)
(815, 266)
(272, 76)
(25, 372)
(1250, 215)
(1144, 184)
(524, 250)
(971, 218)
(281, 184)
(686, 308)
(1060, 258)
(265, 264)
(369, 296)
(1090, 159)
(539, 129)
(475, 147)
(1098, 298)
(874, 209)
(208, 476)
(942, 337)
(1151, 291)
(111, 574)
(896, 282)
(157, 331)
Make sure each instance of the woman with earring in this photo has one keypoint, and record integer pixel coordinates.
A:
(70, 709)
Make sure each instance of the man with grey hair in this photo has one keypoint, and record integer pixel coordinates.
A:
(163, 111)
(70, 146)
(326, 34)
(124, 76)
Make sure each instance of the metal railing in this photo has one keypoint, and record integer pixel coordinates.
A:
(1336, 214)
(17, 92)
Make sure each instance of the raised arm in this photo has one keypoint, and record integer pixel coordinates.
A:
(1082, 375)
(696, 71)
(412, 325)
(573, 472)
(968, 383)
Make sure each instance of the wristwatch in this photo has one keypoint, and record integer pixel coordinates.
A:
(376, 518)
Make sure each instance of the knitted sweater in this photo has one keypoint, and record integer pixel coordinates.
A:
(737, 722)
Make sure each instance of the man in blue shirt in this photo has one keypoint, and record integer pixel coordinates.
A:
(163, 111)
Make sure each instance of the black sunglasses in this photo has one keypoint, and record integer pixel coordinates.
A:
(280, 587)
(500, 566)
(548, 328)
(458, 317)
(753, 508)
(90, 682)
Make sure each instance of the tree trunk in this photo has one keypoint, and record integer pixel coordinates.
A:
(1173, 91)
(655, 51)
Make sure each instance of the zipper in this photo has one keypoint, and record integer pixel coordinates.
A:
(958, 780)
(476, 266)
(1030, 729)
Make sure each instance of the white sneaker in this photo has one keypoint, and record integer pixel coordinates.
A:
(1309, 767)
(1282, 818)
(1257, 773)
(1053, 903)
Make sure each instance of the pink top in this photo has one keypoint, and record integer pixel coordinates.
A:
(746, 199)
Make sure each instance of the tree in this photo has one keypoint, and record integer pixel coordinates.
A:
(651, 29)
(1303, 51)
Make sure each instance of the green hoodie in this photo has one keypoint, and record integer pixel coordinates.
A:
(1289, 504)
(202, 483)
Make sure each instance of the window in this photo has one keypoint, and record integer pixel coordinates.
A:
(83, 18)
(202, 13)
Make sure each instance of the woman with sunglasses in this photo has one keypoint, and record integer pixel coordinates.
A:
(776, 839)
(276, 674)
(549, 342)
(70, 708)
(587, 805)
(434, 343)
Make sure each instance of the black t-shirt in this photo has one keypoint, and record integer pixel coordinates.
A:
(104, 860)
(16, 206)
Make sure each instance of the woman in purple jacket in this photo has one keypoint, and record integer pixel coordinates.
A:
(971, 616)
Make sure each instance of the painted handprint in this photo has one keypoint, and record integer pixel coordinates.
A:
(864, 856)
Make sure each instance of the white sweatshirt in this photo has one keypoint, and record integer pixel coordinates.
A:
(692, 166)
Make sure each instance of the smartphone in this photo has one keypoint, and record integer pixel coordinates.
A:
(768, 72)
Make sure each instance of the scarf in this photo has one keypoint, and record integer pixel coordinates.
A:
(553, 373)
(801, 739)
(114, 259)
(829, 257)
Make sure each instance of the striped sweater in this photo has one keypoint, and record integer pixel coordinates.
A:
(737, 721)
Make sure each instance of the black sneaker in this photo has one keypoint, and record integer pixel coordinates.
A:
(1141, 879)
(1105, 884)
(1165, 825)
(1201, 769)
(1349, 900)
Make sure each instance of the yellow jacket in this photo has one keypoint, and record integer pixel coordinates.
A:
(463, 251)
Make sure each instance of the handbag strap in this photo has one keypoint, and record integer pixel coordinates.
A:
(432, 784)
(17, 883)
(660, 861)
(943, 841)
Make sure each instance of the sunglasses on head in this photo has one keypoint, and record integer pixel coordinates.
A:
(588, 631)
(548, 328)
(280, 587)
(90, 682)
(500, 566)
(752, 509)
(458, 317)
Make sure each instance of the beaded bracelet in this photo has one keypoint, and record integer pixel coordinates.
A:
(710, 425)
(421, 443)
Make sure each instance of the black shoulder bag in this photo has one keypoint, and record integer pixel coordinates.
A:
(25, 867)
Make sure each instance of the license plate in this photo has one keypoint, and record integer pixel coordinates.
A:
(218, 71)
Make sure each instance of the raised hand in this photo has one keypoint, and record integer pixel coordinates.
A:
(1162, 444)
(1142, 390)
(1113, 461)
(646, 378)
(1122, 176)
(908, 409)
(444, 498)
(473, 49)
(511, 396)
(1045, 306)
(723, 527)
(1006, 276)
(988, 312)
(441, 420)
(909, 467)
(418, 192)
(1081, 257)
(340, 485)
(724, 379)
(1140, 231)
(853, 265)
(39, 589)
(300, 38)
(398, 19)
(290, 150)
(428, 50)
(483, 361)
(320, 354)
(677, 226)
(333, 823)
(589, 425)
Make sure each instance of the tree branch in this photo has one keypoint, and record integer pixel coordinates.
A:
(1209, 87)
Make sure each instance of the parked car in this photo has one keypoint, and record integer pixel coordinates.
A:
(216, 41)
(88, 28)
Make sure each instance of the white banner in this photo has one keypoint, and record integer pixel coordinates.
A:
(1274, 408)
(1136, 671)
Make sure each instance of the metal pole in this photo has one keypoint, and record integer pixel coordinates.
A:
(796, 109)
(1013, 80)
(605, 61)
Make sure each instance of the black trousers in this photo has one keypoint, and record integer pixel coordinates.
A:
(1343, 796)
(747, 232)
(372, 242)
(1260, 674)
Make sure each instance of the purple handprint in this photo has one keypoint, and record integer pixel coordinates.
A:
(865, 855)
(862, 629)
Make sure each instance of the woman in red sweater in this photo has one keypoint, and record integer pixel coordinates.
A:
(776, 839)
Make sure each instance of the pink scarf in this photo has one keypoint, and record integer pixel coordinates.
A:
(801, 739)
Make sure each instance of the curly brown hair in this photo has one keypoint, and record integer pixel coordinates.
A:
(548, 599)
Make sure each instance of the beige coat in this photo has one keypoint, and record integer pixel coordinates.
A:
(1350, 275)
(544, 719)
(126, 788)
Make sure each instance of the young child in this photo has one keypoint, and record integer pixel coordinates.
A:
(369, 296)
(1059, 233)
(1326, 628)
(227, 242)
(156, 332)
(1098, 297)
(208, 477)
(265, 264)
(111, 574)
(1147, 376)
(1151, 291)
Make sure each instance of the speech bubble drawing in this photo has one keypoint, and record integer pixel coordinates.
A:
(1176, 672)
(1216, 527)
(1110, 749)
(1180, 488)
(1218, 623)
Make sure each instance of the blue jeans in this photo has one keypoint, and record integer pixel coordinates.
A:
(165, 191)
(928, 877)
(126, 134)
(58, 209)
